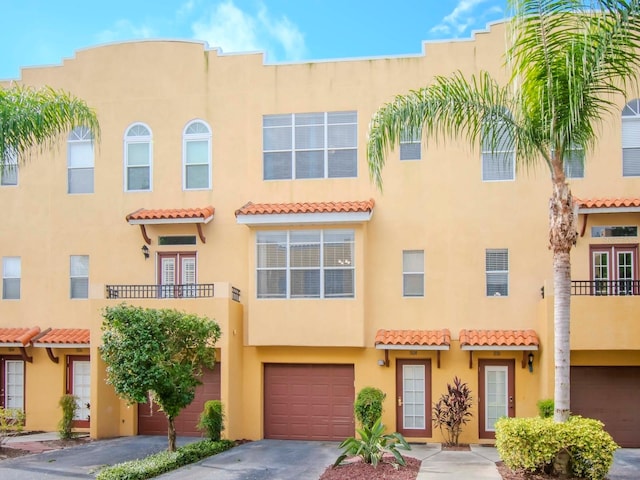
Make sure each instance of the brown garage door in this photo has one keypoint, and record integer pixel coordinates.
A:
(308, 402)
(612, 395)
(151, 421)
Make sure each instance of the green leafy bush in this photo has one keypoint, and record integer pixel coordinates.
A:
(163, 462)
(11, 423)
(532, 444)
(453, 411)
(546, 408)
(69, 405)
(212, 419)
(368, 406)
(373, 444)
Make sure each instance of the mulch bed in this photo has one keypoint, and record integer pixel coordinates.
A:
(358, 470)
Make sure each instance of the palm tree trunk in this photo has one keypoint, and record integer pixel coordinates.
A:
(562, 237)
(171, 434)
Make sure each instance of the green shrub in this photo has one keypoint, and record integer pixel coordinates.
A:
(546, 408)
(453, 411)
(373, 444)
(69, 405)
(532, 444)
(212, 420)
(163, 462)
(368, 406)
(11, 423)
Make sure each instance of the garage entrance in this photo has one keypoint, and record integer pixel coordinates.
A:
(151, 421)
(611, 395)
(308, 402)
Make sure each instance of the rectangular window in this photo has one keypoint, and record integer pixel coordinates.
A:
(305, 264)
(497, 272)
(177, 240)
(11, 273)
(411, 146)
(413, 273)
(602, 231)
(498, 159)
(9, 174)
(574, 163)
(630, 144)
(79, 276)
(80, 161)
(310, 145)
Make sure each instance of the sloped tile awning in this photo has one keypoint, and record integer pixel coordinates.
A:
(605, 205)
(518, 340)
(437, 340)
(18, 337)
(197, 216)
(305, 213)
(62, 338)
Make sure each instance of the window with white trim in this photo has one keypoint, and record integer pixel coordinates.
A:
(305, 264)
(498, 153)
(196, 148)
(9, 174)
(11, 273)
(310, 145)
(137, 158)
(411, 145)
(497, 272)
(574, 163)
(631, 139)
(79, 276)
(80, 161)
(413, 273)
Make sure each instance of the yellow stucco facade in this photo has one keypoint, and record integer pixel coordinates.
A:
(438, 205)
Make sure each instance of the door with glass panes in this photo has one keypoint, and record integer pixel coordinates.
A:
(496, 396)
(12, 387)
(413, 397)
(177, 274)
(613, 269)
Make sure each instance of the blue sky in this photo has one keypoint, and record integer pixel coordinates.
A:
(45, 32)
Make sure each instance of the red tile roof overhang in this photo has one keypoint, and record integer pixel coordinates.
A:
(17, 337)
(305, 213)
(499, 340)
(413, 339)
(63, 338)
(197, 216)
(608, 205)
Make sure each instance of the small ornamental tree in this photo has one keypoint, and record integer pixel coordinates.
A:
(368, 406)
(453, 411)
(157, 353)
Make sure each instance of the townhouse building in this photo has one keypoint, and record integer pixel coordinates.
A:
(232, 188)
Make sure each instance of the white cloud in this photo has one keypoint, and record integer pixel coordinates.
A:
(466, 16)
(234, 30)
(124, 30)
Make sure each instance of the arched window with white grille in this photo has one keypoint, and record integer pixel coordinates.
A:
(137, 158)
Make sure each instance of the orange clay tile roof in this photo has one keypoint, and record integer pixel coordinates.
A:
(498, 338)
(18, 335)
(305, 207)
(607, 202)
(64, 336)
(171, 213)
(414, 337)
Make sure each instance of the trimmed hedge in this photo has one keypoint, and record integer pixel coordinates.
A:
(532, 444)
(163, 462)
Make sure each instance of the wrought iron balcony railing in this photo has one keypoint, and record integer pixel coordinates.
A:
(605, 287)
(195, 290)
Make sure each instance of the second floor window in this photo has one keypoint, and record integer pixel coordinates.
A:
(137, 151)
(413, 273)
(11, 273)
(79, 276)
(197, 156)
(498, 154)
(411, 146)
(310, 145)
(9, 174)
(574, 163)
(631, 139)
(497, 272)
(305, 264)
(80, 160)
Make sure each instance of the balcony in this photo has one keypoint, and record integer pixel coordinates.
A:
(599, 288)
(170, 292)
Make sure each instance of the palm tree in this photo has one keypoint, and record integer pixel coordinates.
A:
(33, 118)
(569, 62)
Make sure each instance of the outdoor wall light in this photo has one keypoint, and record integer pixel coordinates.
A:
(530, 363)
(145, 251)
(381, 363)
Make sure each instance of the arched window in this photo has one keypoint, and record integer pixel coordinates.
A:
(196, 156)
(80, 161)
(137, 158)
(631, 139)
(498, 152)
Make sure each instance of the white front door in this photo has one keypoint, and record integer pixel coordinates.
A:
(80, 372)
(14, 384)
(413, 409)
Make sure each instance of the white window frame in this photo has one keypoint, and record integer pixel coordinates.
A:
(80, 136)
(202, 135)
(411, 146)
(76, 273)
(9, 175)
(408, 272)
(573, 163)
(283, 128)
(631, 139)
(492, 271)
(13, 273)
(506, 156)
(324, 266)
(138, 134)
